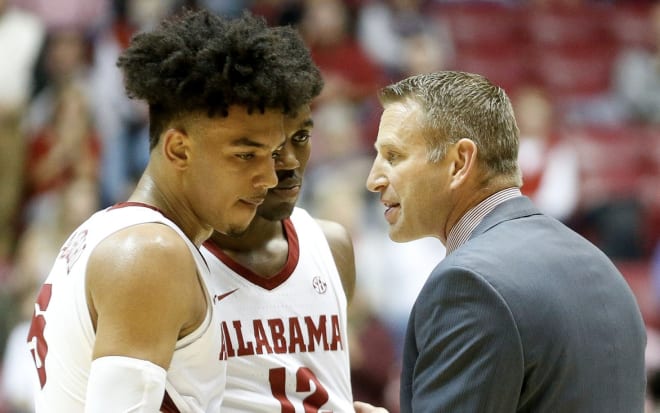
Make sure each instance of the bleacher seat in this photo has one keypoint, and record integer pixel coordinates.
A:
(480, 24)
(504, 66)
(611, 162)
(629, 26)
(570, 72)
(565, 26)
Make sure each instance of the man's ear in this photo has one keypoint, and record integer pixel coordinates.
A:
(464, 159)
(176, 147)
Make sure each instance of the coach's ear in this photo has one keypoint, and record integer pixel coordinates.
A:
(176, 147)
(463, 160)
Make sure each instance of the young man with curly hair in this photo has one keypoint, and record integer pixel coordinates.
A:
(125, 320)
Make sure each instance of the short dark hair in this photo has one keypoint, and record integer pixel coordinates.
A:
(202, 61)
(457, 105)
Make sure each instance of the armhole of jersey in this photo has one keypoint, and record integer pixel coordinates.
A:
(302, 218)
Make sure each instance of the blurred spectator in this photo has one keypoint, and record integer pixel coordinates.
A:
(371, 371)
(348, 72)
(637, 77)
(21, 36)
(62, 143)
(36, 252)
(226, 8)
(63, 63)
(64, 150)
(399, 36)
(121, 122)
(655, 272)
(549, 163)
(83, 14)
(278, 12)
(337, 133)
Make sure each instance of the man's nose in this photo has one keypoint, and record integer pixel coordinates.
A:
(376, 180)
(286, 158)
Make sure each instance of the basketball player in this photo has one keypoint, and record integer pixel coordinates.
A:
(282, 294)
(125, 320)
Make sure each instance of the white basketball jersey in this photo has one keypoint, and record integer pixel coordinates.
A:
(286, 337)
(61, 336)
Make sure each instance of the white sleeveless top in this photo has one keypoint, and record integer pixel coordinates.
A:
(286, 337)
(61, 336)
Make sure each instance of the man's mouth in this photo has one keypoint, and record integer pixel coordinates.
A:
(287, 187)
(391, 211)
(256, 201)
(288, 191)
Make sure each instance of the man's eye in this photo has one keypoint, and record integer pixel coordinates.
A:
(245, 156)
(391, 157)
(301, 137)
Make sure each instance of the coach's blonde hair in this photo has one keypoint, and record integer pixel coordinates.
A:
(456, 105)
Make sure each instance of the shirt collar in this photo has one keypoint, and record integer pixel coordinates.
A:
(461, 232)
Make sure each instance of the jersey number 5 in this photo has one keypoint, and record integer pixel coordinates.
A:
(304, 377)
(36, 343)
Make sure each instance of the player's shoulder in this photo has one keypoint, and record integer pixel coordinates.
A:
(144, 253)
(333, 231)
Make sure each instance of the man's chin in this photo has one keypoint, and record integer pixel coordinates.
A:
(400, 237)
(236, 232)
(275, 213)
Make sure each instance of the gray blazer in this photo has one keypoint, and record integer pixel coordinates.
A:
(527, 316)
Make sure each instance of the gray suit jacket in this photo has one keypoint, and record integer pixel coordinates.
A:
(527, 316)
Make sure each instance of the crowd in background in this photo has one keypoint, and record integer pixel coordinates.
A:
(584, 77)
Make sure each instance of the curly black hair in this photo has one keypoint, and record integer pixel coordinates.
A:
(202, 61)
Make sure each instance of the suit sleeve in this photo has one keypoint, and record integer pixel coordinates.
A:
(465, 354)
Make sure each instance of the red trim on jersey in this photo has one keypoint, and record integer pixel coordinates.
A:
(143, 205)
(266, 283)
(137, 204)
(168, 405)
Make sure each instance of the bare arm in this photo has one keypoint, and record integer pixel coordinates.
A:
(341, 246)
(143, 293)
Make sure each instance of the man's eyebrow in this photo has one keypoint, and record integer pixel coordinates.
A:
(245, 141)
(383, 146)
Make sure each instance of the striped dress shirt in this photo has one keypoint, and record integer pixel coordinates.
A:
(460, 233)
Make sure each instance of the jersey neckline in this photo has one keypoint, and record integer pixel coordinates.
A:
(246, 273)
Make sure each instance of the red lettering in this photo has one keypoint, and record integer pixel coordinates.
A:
(318, 398)
(227, 347)
(336, 333)
(260, 338)
(36, 342)
(223, 348)
(243, 349)
(295, 336)
(277, 333)
(316, 334)
(273, 338)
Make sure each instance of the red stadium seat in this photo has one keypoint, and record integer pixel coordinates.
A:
(629, 25)
(611, 162)
(573, 72)
(504, 66)
(480, 25)
(564, 26)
